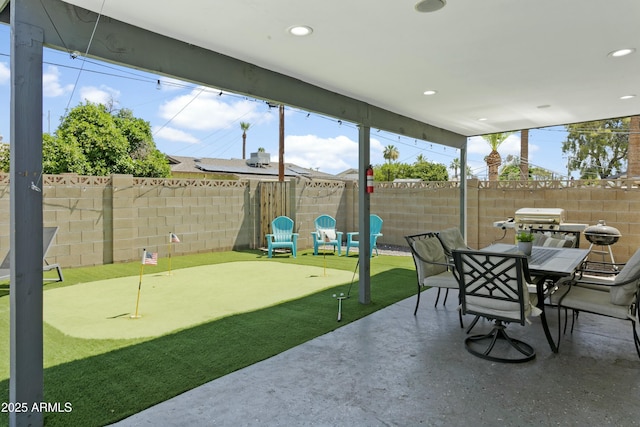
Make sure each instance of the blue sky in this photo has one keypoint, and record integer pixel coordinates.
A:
(191, 120)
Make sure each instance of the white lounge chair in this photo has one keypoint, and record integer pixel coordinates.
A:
(48, 233)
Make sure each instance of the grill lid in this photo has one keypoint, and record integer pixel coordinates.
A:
(601, 228)
(540, 216)
(602, 234)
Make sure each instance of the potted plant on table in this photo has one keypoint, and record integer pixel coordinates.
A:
(524, 239)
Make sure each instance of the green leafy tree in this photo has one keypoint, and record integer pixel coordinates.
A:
(597, 148)
(421, 169)
(92, 141)
(390, 154)
(513, 172)
(5, 159)
(429, 171)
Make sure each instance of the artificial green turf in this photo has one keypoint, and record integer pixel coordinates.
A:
(107, 380)
(110, 309)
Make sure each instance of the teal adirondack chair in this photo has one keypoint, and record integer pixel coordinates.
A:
(282, 236)
(375, 225)
(326, 234)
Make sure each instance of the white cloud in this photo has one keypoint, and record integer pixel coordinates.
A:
(100, 95)
(205, 110)
(331, 155)
(176, 135)
(5, 73)
(51, 86)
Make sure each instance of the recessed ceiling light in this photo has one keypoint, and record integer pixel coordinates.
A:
(300, 30)
(627, 96)
(482, 119)
(622, 52)
(430, 92)
(430, 5)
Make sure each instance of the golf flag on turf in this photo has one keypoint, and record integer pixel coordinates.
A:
(150, 258)
(173, 238)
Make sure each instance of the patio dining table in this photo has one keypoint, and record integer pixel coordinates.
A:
(547, 264)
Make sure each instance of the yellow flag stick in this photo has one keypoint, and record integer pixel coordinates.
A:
(169, 254)
(144, 255)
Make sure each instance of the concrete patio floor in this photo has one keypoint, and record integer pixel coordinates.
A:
(392, 368)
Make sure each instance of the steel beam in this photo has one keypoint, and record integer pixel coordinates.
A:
(26, 353)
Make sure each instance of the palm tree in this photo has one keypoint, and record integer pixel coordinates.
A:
(245, 127)
(493, 159)
(524, 155)
(390, 153)
(633, 152)
(455, 165)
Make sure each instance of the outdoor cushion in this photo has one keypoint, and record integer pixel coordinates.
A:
(451, 239)
(430, 250)
(542, 239)
(623, 295)
(327, 234)
(552, 242)
(442, 280)
(591, 300)
(504, 309)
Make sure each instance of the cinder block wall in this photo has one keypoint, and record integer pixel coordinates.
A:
(104, 220)
(314, 198)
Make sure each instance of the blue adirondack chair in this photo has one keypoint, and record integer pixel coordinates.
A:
(326, 234)
(375, 225)
(282, 236)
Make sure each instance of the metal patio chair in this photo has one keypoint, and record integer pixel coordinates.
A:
(494, 286)
(613, 295)
(433, 268)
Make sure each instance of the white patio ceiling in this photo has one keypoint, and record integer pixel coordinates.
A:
(518, 64)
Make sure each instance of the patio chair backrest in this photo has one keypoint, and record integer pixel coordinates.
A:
(282, 229)
(326, 228)
(48, 233)
(626, 282)
(325, 222)
(493, 285)
(428, 255)
(451, 238)
(375, 224)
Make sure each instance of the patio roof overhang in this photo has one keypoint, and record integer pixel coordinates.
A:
(518, 65)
